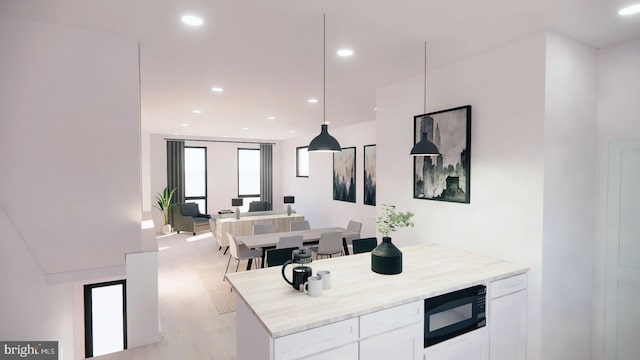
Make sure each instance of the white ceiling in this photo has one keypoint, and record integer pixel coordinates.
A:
(267, 54)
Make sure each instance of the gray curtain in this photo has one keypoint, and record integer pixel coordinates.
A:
(266, 174)
(175, 172)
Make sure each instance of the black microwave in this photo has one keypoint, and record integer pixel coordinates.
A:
(455, 313)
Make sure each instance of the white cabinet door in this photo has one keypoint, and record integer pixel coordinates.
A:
(346, 352)
(405, 343)
(508, 326)
(473, 345)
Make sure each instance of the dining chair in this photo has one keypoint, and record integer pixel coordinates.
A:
(352, 226)
(277, 257)
(240, 252)
(300, 225)
(330, 243)
(289, 241)
(364, 245)
(263, 229)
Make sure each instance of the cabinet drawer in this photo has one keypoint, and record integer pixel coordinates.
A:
(389, 319)
(316, 340)
(507, 286)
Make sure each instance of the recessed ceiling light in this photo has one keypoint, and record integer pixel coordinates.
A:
(225, 136)
(245, 128)
(184, 124)
(192, 20)
(217, 89)
(271, 117)
(375, 109)
(312, 101)
(292, 131)
(345, 52)
(196, 111)
(630, 10)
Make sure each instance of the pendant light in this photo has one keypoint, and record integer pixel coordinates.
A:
(324, 142)
(424, 147)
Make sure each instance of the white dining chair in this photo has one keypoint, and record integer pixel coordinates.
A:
(300, 225)
(330, 243)
(263, 229)
(240, 252)
(289, 241)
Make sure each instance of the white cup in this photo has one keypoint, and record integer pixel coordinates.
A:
(313, 286)
(326, 279)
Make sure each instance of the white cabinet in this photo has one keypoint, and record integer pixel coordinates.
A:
(507, 318)
(473, 345)
(333, 341)
(399, 344)
(395, 333)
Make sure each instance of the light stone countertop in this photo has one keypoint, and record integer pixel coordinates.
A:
(428, 270)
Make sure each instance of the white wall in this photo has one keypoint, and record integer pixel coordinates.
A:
(222, 169)
(30, 308)
(569, 187)
(617, 118)
(70, 185)
(314, 195)
(505, 86)
(70, 137)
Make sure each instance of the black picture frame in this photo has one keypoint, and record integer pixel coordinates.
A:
(344, 175)
(446, 177)
(369, 174)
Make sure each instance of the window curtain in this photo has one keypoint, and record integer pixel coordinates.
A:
(266, 174)
(175, 172)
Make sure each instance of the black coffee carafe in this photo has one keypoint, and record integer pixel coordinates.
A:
(301, 272)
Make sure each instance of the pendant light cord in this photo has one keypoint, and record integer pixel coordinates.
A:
(324, 69)
(425, 77)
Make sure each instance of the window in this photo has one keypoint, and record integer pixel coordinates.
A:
(195, 176)
(248, 176)
(302, 161)
(105, 318)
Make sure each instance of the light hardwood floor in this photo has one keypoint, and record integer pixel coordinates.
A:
(191, 326)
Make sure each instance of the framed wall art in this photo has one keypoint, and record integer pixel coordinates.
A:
(370, 175)
(344, 175)
(446, 177)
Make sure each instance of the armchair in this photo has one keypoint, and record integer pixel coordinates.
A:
(187, 217)
(259, 206)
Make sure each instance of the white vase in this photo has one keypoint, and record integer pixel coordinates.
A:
(166, 229)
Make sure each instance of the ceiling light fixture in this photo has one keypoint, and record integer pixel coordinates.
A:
(217, 89)
(192, 20)
(196, 111)
(245, 128)
(630, 10)
(312, 101)
(324, 142)
(184, 124)
(271, 117)
(345, 52)
(424, 147)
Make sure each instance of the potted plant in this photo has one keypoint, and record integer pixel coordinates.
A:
(164, 204)
(386, 258)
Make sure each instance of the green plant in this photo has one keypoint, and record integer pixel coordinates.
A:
(164, 203)
(391, 220)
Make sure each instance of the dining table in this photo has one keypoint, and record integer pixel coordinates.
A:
(309, 237)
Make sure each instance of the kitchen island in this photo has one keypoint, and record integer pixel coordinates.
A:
(277, 322)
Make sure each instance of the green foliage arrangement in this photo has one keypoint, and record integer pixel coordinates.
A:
(164, 204)
(391, 220)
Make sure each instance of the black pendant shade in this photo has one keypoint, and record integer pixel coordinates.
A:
(424, 147)
(324, 142)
